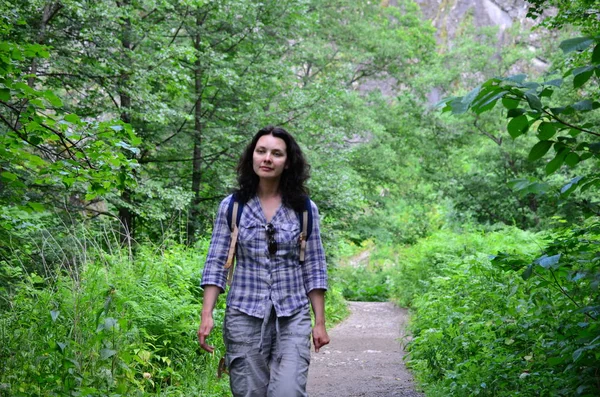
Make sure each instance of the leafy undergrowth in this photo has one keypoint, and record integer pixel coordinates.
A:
(523, 322)
(112, 326)
(365, 273)
(107, 324)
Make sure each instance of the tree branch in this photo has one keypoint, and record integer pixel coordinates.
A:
(497, 141)
(568, 124)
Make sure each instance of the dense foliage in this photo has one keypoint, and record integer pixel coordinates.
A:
(497, 311)
(120, 126)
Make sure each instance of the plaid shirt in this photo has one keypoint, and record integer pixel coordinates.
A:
(259, 276)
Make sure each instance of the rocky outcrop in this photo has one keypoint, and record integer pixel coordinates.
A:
(447, 15)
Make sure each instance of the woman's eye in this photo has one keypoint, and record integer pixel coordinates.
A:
(261, 151)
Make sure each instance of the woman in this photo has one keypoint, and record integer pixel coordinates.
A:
(267, 323)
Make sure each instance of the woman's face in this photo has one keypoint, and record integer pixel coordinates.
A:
(270, 157)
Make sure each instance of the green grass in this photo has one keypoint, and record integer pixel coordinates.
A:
(115, 325)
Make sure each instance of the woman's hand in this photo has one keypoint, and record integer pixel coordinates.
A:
(320, 337)
(206, 325)
(319, 333)
(211, 293)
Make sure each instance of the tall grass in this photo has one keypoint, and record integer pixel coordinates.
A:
(101, 321)
(96, 319)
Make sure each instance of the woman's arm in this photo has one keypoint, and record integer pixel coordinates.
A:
(214, 274)
(319, 333)
(211, 293)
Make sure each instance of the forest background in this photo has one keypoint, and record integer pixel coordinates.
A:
(455, 170)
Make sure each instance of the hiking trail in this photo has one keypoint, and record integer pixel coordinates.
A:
(364, 357)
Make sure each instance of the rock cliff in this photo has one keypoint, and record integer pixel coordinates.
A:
(446, 15)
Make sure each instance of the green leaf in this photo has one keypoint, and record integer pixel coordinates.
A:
(72, 118)
(547, 92)
(576, 44)
(518, 126)
(38, 103)
(517, 78)
(36, 206)
(8, 176)
(458, 106)
(538, 188)
(519, 184)
(17, 54)
(555, 163)
(546, 130)
(510, 103)
(4, 94)
(548, 262)
(539, 150)
(53, 99)
(572, 159)
(107, 353)
(577, 354)
(583, 69)
(488, 101)
(533, 101)
(515, 112)
(108, 324)
(532, 85)
(554, 361)
(54, 314)
(585, 156)
(61, 346)
(583, 106)
(554, 82)
(569, 187)
(582, 78)
(595, 147)
(468, 99)
(527, 273)
(596, 54)
(588, 185)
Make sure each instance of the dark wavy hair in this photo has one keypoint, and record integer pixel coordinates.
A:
(293, 179)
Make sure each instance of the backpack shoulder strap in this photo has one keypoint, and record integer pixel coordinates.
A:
(234, 214)
(306, 225)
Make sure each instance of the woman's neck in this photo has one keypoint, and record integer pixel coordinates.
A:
(268, 189)
(270, 199)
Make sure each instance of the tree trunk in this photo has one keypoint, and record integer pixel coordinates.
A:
(193, 220)
(126, 216)
(50, 10)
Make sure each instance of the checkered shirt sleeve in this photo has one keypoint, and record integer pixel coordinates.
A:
(315, 266)
(214, 267)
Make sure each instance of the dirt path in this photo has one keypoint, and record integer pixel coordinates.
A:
(364, 357)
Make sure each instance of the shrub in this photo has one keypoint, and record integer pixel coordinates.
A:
(521, 324)
(114, 325)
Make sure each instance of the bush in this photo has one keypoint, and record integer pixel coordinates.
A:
(480, 329)
(100, 322)
(363, 284)
(114, 325)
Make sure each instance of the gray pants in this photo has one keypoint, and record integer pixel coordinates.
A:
(267, 357)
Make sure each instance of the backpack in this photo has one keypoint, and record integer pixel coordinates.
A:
(234, 214)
